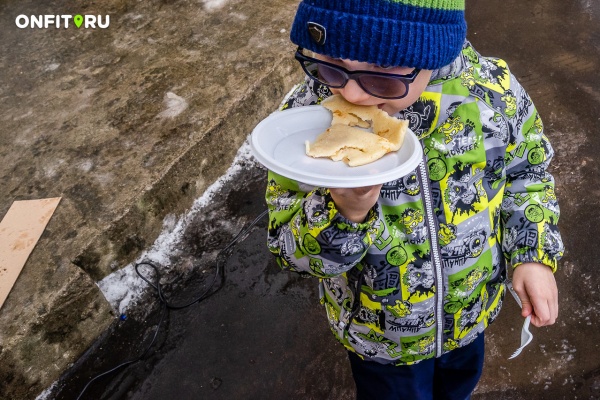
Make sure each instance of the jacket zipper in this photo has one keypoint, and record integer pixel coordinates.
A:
(436, 257)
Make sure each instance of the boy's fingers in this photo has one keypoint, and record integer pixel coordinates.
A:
(544, 312)
(526, 310)
(536, 306)
(550, 305)
(536, 287)
(554, 308)
(526, 307)
(541, 314)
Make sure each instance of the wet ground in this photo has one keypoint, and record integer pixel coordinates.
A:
(261, 336)
(264, 336)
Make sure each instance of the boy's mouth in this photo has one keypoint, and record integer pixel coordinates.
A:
(380, 106)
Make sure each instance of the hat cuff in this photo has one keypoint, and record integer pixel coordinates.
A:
(382, 41)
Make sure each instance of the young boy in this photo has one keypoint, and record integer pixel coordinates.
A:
(412, 271)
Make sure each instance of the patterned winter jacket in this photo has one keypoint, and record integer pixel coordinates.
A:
(425, 272)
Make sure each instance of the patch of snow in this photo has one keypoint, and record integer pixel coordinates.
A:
(26, 115)
(239, 16)
(45, 395)
(174, 104)
(86, 165)
(134, 17)
(556, 361)
(51, 67)
(210, 5)
(123, 287)
(51, 169)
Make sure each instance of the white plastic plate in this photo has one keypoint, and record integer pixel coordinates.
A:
(278, 143)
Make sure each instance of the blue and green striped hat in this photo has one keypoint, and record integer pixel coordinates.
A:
(426, 34)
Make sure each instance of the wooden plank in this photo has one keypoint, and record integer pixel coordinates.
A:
(20, 230)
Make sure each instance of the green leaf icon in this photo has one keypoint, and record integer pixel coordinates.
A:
(78, 20)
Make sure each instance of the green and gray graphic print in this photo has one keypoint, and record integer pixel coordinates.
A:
(424, 274)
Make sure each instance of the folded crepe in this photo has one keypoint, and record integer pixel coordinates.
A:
(358, 135)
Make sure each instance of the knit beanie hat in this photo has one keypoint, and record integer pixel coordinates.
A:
(426, 34)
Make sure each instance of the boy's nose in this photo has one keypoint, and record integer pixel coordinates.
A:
(353, 93)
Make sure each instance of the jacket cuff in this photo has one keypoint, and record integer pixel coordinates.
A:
(533, 255)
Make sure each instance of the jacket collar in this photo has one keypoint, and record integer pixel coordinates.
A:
(427, 113)
(451, 70)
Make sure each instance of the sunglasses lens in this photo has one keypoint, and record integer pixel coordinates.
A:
(331, 76)
(323, 74)
(378, 85)
(310, 68)
(381, 86)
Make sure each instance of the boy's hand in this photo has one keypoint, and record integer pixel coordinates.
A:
(536, 287)
(355, 203)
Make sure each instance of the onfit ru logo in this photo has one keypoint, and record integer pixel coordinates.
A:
(62, 21)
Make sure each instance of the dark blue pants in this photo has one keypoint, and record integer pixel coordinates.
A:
(452, 376)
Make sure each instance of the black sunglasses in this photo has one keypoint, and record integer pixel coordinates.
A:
(378, 84)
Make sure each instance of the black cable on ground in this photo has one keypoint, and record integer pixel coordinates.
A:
(166, 306)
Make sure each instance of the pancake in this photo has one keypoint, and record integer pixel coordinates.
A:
(358, 135)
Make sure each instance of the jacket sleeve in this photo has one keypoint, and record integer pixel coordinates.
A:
(529, 209)
(307, 234)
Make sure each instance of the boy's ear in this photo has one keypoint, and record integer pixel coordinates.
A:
(317, 32)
